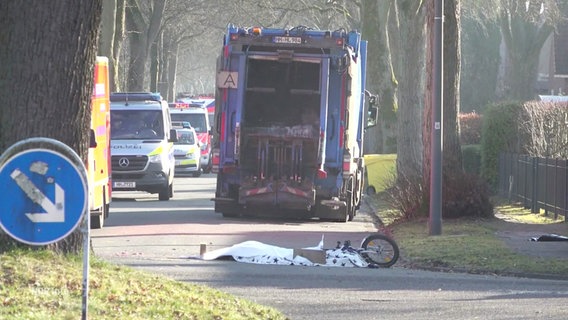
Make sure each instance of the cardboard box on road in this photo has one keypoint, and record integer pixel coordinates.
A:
(315, 256)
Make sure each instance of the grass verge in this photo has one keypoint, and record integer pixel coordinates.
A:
(44, 285)
(468, 244)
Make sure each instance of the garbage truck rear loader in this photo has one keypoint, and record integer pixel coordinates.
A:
(289, 123)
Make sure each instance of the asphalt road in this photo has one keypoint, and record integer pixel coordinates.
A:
(160, 236)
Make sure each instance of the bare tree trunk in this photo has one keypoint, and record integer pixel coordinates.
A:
(518, 29)
(115, 84)
(380, 76)
(371, 32)
(410, 71)
(143, 31)
(451, 150)
(154, 58)
(138, 49)
(108, 22)
(168, 85)
(46, 76)
(452, 156)
(107, 36)
(164, 72)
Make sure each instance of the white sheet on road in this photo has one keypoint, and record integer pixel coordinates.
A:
(261, 253)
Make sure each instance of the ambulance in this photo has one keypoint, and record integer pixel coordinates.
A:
(195, 112)
(98, 159)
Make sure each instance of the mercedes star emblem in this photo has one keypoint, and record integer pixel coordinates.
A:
(123, 162)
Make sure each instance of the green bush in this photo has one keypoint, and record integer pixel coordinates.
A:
(471, 155)
(499, 133)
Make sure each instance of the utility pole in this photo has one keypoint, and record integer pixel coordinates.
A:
(435, 220)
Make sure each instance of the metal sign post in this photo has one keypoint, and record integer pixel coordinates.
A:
(435, 218)
(86, 230)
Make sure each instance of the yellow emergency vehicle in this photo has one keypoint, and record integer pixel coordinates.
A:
(98, 162)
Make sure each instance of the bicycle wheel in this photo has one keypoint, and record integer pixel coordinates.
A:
(379, 249)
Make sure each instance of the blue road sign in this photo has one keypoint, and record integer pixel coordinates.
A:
(45, 196)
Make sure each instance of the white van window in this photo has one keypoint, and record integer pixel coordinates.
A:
(197, 120)
(185, 138)
(136, 124)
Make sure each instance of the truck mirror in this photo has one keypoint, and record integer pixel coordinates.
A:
(92, 139)
(373, 116)
(373, 111)
(173, 136)
(373, 100)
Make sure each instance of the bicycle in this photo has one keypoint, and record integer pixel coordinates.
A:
(377, 249)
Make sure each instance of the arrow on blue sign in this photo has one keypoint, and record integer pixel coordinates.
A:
(55, 212)
(45, 195)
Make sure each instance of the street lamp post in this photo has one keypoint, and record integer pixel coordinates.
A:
(435, 220)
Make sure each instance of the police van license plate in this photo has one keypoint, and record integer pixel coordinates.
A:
(121, 184)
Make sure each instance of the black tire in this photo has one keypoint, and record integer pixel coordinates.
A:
(229, 210)
(342, 217)
(379, 249)
(199, 171)
(351, 208)
(98, 221)
(166, 193)
(230, 215)
(197, 174)
(209, 165)
(359, 183)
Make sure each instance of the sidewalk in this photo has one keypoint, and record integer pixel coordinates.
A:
(518, 237)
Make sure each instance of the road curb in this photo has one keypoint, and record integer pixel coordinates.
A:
(372, 211)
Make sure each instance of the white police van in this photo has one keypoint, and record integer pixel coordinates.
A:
(187, 150)
(195, 112)
(142, 137)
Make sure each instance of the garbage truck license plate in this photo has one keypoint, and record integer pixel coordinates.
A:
(296, 40)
